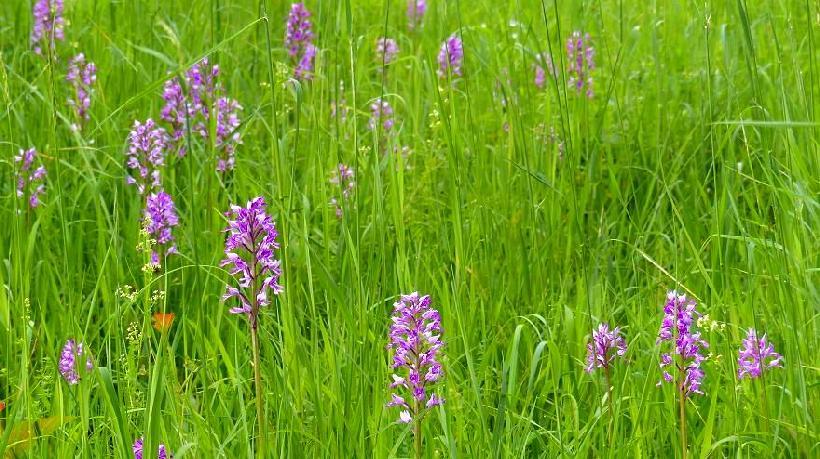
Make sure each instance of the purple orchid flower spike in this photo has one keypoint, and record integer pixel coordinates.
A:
(581, 57)
(81, 75)
(415, 338)
(250, 257)
(49, 24)
(299, 41)
(451, 57)
(146, 156)
(342, 178)
(678, 328)
(162, 451)
(415, 12)
(756, 356)
(381, 115)
(604, 347)
(386, 50)
(30, 179)
(159, 219)
(71, 364)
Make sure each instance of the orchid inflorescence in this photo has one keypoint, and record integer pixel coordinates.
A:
(604, 347)
(679, 329)
(451, 57)
(30, 179)
(299, 41)
(415, 339)
(250, 255)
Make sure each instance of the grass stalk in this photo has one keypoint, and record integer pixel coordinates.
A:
(682, 410)
(417, 429)
(611, 427)
(257, 383)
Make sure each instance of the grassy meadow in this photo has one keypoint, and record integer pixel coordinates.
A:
(529, 214)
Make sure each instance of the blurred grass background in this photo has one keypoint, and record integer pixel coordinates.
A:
(695, 167)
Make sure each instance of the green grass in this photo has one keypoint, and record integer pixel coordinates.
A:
(695, 167)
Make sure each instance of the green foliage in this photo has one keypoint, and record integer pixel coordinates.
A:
(695, 167)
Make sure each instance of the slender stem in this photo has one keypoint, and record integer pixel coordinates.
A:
(417, 428)
(609, 398)
(257, 382)
(682, 404)
(765, 401)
